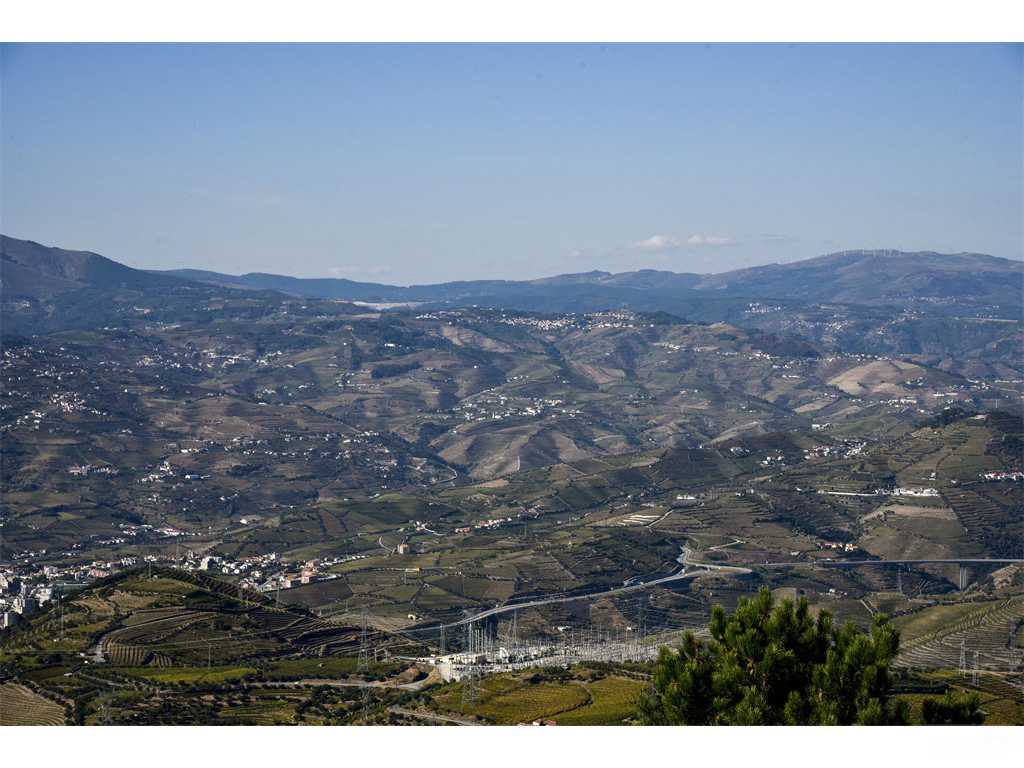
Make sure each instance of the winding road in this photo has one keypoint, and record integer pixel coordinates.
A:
(683, 559)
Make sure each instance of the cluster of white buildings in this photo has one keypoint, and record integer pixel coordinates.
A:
(845, 450)
(1003, 475)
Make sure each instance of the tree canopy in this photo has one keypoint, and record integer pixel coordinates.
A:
(776, 664)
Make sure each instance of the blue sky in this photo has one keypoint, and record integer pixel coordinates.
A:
(422, 163)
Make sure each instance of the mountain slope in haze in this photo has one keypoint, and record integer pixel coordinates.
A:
(48, 290)
(965, 283)
(878, 278)
(968, 283)
(959, 312)
(31, 270)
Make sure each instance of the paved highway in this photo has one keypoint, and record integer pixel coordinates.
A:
(636, 584)
(683, 559)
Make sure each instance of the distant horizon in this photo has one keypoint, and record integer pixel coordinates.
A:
(407, 284)
(398, 284)
(440, 162)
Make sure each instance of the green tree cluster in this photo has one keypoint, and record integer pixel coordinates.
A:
(776, 664)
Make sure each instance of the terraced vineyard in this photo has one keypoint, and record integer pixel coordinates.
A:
(506, 702)
(932, 638)
(578, 697)
(612, 702)
(19, 705)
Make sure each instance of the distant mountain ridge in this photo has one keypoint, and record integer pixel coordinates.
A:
(870, 277)
(28, 268)
(957, 311)
(970, 281)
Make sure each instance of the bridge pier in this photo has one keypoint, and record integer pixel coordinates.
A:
(963, 577)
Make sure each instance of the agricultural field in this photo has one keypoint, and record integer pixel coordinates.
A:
(19, 705)
(577, 697)
(611, 703)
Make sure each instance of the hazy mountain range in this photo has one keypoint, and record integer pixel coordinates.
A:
(968, 282)
(957, 283)
(961, 312)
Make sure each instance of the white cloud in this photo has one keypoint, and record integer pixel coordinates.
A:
(655, 243)
(703, 241)
(779, 239)
(347, 271)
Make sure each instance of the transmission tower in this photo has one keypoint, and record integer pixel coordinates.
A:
(469, 686)
(366, 701)
(639, 629)
(363, 665)
(963, 658)
(441, 642)
(974, 678)
(105, 708)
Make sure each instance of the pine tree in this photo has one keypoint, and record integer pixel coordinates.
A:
(953, 709)
(773, 664)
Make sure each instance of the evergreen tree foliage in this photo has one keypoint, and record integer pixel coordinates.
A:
(953, 709)
(771, 664)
